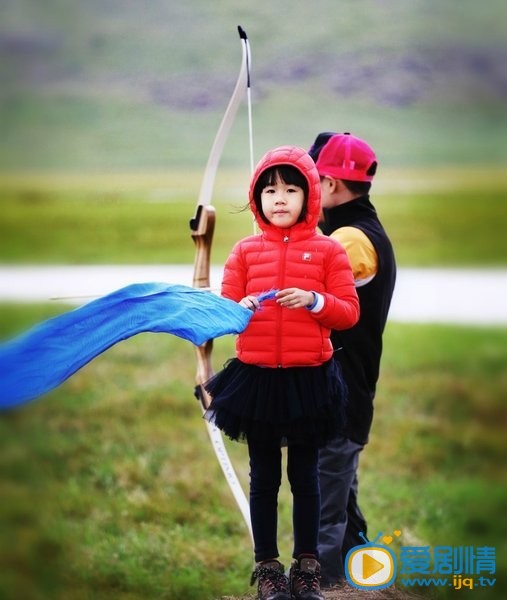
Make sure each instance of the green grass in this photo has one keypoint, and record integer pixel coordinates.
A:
(436, 464)
(110, 489)
(441, 217)
(122, 221)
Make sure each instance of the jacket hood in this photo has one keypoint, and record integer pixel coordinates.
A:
(299, 158)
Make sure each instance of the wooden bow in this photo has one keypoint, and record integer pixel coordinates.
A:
(202, 226)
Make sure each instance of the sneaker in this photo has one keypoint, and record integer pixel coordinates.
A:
(305, 578)
(271, 581)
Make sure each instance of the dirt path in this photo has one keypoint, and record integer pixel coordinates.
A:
(421, 295)
(347, 592)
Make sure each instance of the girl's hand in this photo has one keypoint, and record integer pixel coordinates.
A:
(294, 298)
(250, 302)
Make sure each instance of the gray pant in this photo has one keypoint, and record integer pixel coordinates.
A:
(340, 519)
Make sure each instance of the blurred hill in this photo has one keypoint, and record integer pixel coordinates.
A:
(113, 85)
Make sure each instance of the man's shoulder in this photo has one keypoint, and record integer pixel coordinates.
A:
(351, 235)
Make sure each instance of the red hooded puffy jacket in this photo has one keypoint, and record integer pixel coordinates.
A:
(296, 257)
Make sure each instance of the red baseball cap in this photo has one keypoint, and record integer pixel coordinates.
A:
(344, 156)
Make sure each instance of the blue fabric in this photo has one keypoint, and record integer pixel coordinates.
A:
(269, 295)
(49, 353)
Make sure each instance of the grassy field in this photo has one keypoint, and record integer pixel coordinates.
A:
(110, 489)
(445, 217)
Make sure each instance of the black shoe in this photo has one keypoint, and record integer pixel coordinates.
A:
(271, 581)
(305, 578)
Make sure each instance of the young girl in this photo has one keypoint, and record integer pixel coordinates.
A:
(284, 388)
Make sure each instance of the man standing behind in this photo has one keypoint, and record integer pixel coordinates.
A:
(347, 165)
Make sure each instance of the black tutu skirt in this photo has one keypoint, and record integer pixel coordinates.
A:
(297, 405)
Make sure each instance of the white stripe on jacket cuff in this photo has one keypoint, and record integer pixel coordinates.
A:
(317, 304)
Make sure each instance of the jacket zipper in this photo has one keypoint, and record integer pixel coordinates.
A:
(281, 279)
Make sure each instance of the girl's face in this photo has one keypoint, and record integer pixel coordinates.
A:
(282, 203)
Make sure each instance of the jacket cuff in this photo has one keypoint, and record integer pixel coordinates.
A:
(318, 303)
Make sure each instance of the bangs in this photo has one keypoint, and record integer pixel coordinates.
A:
(286, 173)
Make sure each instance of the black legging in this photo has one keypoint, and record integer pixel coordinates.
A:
(265, 479)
